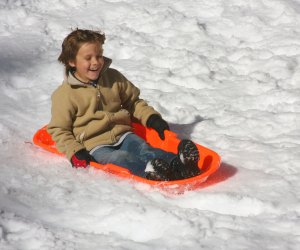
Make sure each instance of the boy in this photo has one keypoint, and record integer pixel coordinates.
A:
(92, 112)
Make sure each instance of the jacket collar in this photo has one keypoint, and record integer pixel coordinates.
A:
(72, 80)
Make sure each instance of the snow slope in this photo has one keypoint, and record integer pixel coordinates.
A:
(223, 73)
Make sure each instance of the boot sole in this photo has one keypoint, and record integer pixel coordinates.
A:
(188, 153)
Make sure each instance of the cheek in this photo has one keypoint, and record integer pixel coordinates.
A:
(84, 65)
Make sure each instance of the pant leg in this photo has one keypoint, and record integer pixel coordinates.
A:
(141, 149)
(121, 158)
(133, 153)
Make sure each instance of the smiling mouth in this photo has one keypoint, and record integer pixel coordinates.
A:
(93, 70)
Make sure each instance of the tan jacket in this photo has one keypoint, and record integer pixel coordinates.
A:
(84, 116)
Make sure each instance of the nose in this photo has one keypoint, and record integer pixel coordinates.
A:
(97, 61)
(94, 61)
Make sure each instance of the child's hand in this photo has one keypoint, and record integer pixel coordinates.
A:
(158, 124)
(81, 159)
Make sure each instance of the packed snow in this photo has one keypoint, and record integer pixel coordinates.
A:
(222, 73)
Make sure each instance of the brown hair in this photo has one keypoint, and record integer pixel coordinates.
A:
(73, 42)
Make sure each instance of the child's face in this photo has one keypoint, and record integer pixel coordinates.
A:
(89, 62)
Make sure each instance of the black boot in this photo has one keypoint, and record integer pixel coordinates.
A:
(181, 171)
(158, 170)
(189, 156)
(178, 169)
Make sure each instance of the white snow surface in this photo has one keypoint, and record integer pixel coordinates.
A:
(222, 73)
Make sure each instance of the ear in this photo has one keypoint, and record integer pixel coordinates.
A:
(72, 64)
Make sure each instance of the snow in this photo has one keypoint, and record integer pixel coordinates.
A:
(223, 73)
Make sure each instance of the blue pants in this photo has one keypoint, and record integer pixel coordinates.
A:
(133, 153)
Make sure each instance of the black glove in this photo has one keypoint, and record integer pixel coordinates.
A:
(81, 159)
(158, 124)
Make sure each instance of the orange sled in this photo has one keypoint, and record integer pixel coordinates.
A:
(209, 160)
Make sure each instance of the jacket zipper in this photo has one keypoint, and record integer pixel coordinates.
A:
(98, 96)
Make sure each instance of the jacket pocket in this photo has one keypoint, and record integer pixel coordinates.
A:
(95, 128)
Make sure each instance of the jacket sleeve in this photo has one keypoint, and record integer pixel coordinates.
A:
(61, 124)
(137, 107)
